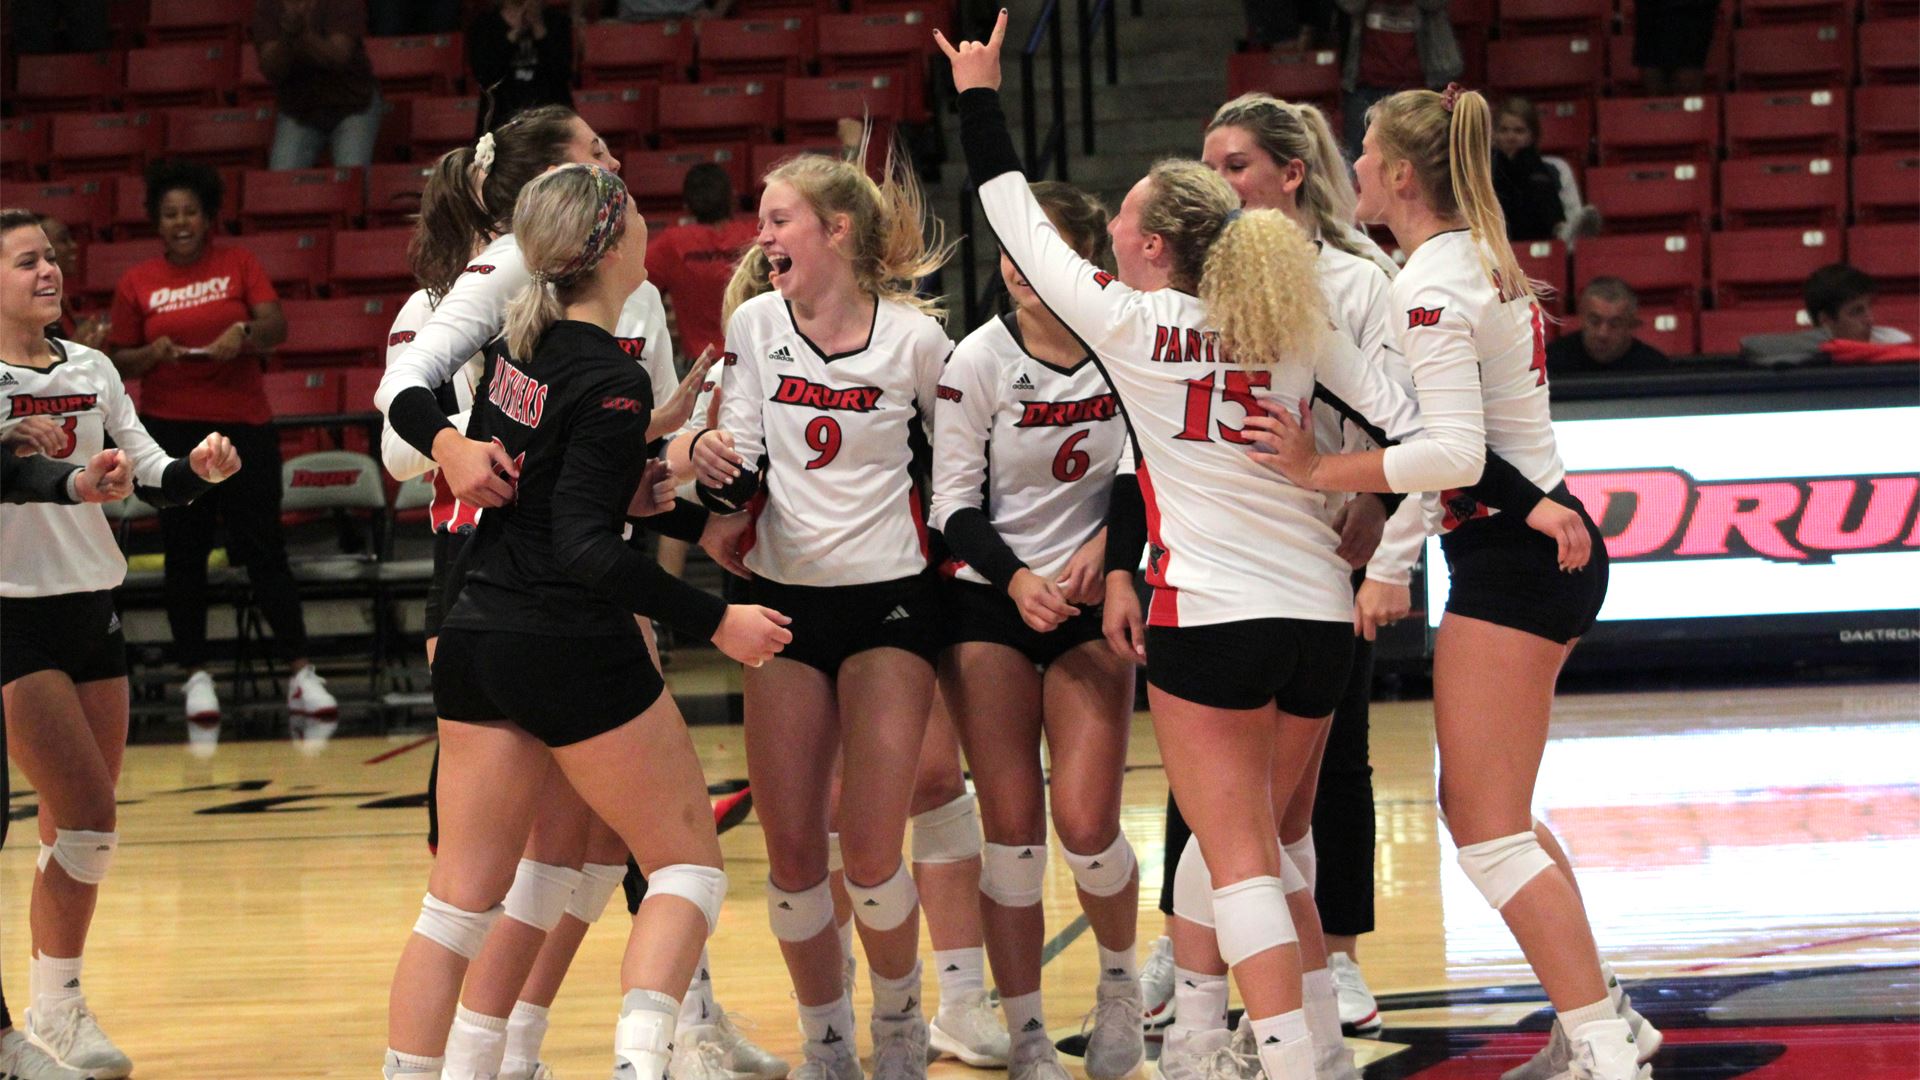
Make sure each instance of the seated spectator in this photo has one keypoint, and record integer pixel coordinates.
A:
(521, 53)
(323, 82)
(1840, 303)
(194, 324)
(1609, 313)
(1537, 192)
(85, 328)
(648, 10)
(1393, 45)
(691, 264)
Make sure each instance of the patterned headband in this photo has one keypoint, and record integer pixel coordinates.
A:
(1451, 95)
(609, 223)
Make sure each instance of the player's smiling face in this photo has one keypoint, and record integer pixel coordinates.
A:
(1239, 159)
(795, 241)
(30, 289)
(587, 148)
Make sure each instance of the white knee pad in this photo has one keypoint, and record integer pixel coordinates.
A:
(596, 886)
(705, 887)
(886, 905)
(799, 916)
(836, 863)
(1012, 875)
(1291, 879)
(1105, 873)
(1500, 868)
(1193, 886)
(1251, 917)
(83, 854)
(948, 833)
(461, 932)
(1304, 859)
(540, 893)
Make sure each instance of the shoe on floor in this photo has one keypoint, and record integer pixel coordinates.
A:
(307, 695)
(1116, 1044)
(21, 1060)
(72, 1036)
(203, 702)
(1156, 986)
(971, 1029)
(1359, 1013)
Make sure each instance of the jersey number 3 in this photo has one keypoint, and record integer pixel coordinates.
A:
(67, 431)
(1238, 388)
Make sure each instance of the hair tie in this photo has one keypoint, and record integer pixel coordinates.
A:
(483, 154)
(1451, 96)
(1233, 215)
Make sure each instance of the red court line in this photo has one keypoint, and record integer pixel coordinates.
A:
(1850, 939)
(398, 750)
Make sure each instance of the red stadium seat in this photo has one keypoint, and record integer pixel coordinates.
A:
(1758, 192)
(815, 106)
(1773, 12)
(731, 48)
(1674, 331)
(429, 64)
(371, 261)
(1555, 66)
(744, 110)
(1666, 271)
(1886, 118)
(301, 198)
(1659, 129)
(1885, 251)
(889, 38)
(357, 385)
(104, 142)
(302, 393)
(24, 143)
(106, 262)
(1289, 75)
(85, 206)
(221, 136)
(625, 52)
(60, 81)
(345, 331)
(1812, 55)
(193, 73)
(198, 20)
(1768, 266)
(1545, 261)
(1886, 187)
(252, 86)
(1772, 122)
(130, 207)
(296, 262)
(1624, 77)
(621, 115)
(1641, 198)
(1566, 129)
(1521, 18)
(1891, 9)
(393, 193)
(1890, 51)
(441, 123)
(655, 176)
(1721, 331)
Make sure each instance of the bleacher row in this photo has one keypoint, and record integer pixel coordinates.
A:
(1805, 152)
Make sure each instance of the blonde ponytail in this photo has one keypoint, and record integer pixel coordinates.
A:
(1261, 289)
(751, 277)
(531, 311)
(569, 218)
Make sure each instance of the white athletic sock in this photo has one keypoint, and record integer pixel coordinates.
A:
(526, 1030)
(1322, 1006)
(476, 1046)
(895, 999)
(56, 985)
(1286, 1047)
(1603, 1009)
(1199, 1001)
(698, 1007)
(1118, 964)
(962, 972)
(399, 1064)
(828, 1028)
(1025, 1018)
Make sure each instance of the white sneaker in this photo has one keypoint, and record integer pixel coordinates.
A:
(1645, 1035)
(72, 1036)
(698, 1055)
(1555, 1059)
(1359, 1013)
(900, 1049)
(1187, 1058)
(643, 1045)
(307, 695)
(203, 703)
(1605, 1050)
(836, 1062)
(1156, 986)
(1036, 1059)
(742, 1057)
(1116, 1045)
(540, 1071)
(21, 1060)
(970, 1028)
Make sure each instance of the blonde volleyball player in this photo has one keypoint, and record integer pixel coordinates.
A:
(1475, 339)
(1026, 442)
(829, 382)
(63, 664)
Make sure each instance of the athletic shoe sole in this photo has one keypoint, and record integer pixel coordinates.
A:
(1367, 1027)
(943, 1043)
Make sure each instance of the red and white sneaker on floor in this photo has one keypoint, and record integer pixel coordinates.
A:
(1156, 988)
(1359, 1013)
(203, 701)
(307, 695)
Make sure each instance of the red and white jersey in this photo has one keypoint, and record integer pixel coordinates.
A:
(470, 315)
(403, 461)
(1480, 369)
(53, 549)
(831, 435)
(1038, 443)
(1231, 540)
(642, 334)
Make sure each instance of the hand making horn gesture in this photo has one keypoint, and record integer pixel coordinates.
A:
(976, 66)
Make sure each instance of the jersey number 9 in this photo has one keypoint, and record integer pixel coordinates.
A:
(823, 438)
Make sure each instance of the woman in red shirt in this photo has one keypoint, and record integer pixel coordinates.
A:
(192, 325)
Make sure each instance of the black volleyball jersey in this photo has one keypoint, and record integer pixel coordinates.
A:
(574, 420)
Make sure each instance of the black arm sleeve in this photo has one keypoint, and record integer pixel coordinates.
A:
(1126, 524)
(984, 136)
(974, 539)
(686, 521)
(33, 479)
(179, 485)
(1505, 488)
(606, 450)
(416, 416)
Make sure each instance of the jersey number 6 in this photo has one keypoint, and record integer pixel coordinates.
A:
(1239, 387)
(1072, 463)
(823, 437)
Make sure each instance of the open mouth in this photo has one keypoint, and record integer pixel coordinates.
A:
(779, 264)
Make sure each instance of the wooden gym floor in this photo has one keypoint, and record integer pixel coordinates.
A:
(1749, 857)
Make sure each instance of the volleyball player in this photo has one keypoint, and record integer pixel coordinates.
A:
(63, 664)
(1476, 343)
(1027, 439)
(830, 382)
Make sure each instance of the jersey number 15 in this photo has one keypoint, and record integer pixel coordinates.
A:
(1236, 387)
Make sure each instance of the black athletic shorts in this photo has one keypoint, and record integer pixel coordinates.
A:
(1297, 665)
(834, 622)
(977, 612)
(447, 546)
(560, 690)
(77, 634)
(1503, 572)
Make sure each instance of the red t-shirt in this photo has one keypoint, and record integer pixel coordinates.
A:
(692, 264)
(1389, 48)
(193, 305)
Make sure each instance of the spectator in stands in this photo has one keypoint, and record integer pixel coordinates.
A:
(89, 329)
(395, 18)
(1537, 192)
(647, 10)
(56, 26)
(1393, 46)
(1840, 303)
(691, 264)
(1670, 43)
(323, 82)
(521, 53)
(193, 325)
(1609, 313)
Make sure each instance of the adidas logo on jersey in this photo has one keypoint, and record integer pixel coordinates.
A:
(895, 615)
(1023, 383)
(7, 379)
(782, 354)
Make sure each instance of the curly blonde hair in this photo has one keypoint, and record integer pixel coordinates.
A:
(1253, 269)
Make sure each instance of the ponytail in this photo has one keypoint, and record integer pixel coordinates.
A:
(570, 218)
(1261, 289)
(532, 310)
(451, 223)
(1470, 162)
(751, 277)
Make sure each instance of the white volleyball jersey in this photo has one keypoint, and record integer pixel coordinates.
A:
(1480, 368)
(642, 333)
(1038, 443)
(469, 316)
(52, 549)
(1231, 539)
(830, 435)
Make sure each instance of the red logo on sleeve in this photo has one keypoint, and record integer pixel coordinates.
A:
(482, 269)
(1423, 316)
(632, 346)
(399, 338)
(1102, 278)
(948, 393)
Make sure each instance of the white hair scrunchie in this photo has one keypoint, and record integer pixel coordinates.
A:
(483, 154)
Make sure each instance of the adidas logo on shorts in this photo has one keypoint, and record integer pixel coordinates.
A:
(897, 614)
(782, 354)
(1023, 383)
(113, 623)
